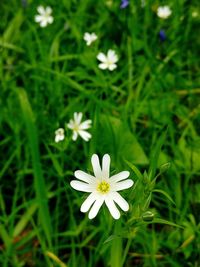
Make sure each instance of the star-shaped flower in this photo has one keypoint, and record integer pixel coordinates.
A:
(44, 18)
(79, 127)
(164, 12)
(89, 38)
(59, 135)
(102, 188)
(108, 61)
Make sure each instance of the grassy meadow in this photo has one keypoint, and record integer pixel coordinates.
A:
(145, 113)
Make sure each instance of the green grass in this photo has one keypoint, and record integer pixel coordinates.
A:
(145, 114)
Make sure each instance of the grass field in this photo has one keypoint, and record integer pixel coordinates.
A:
(145, 113)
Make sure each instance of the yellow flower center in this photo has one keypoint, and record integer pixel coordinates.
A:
(103, 187)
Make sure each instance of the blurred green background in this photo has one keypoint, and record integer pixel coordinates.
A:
(49, 73)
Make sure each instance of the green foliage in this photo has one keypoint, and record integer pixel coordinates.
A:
(145, 114)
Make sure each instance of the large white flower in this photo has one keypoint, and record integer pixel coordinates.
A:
(164, 12)
(89, 38)
(108, 61)
(44, 18)
(79, 127)
(102, 188)
(59, 135)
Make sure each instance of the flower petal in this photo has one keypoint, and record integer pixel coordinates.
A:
(96, 166)
(103, 66)
(112, 67)
(121, 202)
(112, 208)
(48, 10)
(78, 117)
(85, 135)
(75, 135)
(119, 176)
(106, 166)
(85, 125)
(88, 202)
(43, 23)
(123, 185)
(38, 18)
(102, 57)
(85, 177)
(41, 10)
(80, 186)
(50, 19)
(95, 208)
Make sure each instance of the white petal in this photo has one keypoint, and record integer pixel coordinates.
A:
(121, 202)
(78, 117)
(119, 176)
(112, 56)
(50, 20)
(85, 135)
(123, 185)
(106, 166)
(83, 176)
(43, 23)
(74, 136)
(88, 202)
(38, 18)
(102, 57)
(112, 208)
(96, 166)
(95, 208)
(70, 125)
(103, 66)
(112, 67)
(80, 186)
(48, 10)
(41, 10)
(85, 125)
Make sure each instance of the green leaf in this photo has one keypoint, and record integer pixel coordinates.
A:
(165, 194)
(162, 221)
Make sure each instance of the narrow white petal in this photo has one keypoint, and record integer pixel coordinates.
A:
(96, 166)
(85, 125)
(41, 10)
(38, 18)
(74, 136)
(50, 20)
(78, 117)
(106, 166)
(88, 202)
(112, 67)
(80, 186)
(83, 176)
(111, 55)
(121, 202)
(119, 176)
(103, 66)
(112, 208)
(95, 208)
(43, 23)
(48, 10)
(123, 185)
(85, 135)
(102, 57)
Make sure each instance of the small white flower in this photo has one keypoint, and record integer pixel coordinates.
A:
(89, 38)
(108, 61)
(60, 135)
(164, 12)
(79, 128)
(44, 18)
(102, 188)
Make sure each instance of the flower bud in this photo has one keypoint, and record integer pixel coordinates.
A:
(148, 216)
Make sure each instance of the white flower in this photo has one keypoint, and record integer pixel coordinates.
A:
(44, 18)
(60, 135)
(89, 38)
(79, 128)
(164, 12)
(108, 62)
(102, 188)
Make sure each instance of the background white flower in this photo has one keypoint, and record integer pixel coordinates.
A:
(79, 127)
(102, 188)
(164, 12)
(89, 38)
(60, 135)
(108, 61)
(44, 18)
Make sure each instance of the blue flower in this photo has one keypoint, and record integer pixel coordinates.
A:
(162, 35)
(124, 3)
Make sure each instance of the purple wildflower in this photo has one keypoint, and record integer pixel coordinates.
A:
(124, 3)
(162, 35)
